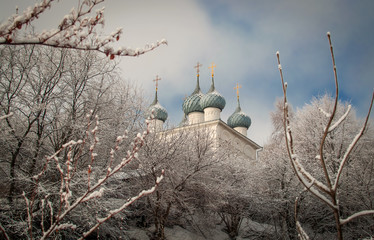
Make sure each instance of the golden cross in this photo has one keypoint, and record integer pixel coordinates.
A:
(156, 80)
(198, 65)
(237, 89)
(212, 67)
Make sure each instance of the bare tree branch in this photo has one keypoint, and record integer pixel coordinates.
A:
(77, 30)
(356, 215)
(310, 182)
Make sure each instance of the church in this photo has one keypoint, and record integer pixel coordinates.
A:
(203, 111)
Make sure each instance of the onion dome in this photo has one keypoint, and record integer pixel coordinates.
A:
(158, 111)
(239, 118)
(213, 98)
(192, 103)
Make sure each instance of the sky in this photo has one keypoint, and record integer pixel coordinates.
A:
(241, 37)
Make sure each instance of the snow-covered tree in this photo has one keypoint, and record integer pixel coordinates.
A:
(49, 92)
(50, 81)
(232, 186)
(187, 157)
(50, 208)
(279, 187)
(324, 184)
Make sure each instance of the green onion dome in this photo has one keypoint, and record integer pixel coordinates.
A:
(239, 118)
(213, 99)
(192, 103)
(158, 111)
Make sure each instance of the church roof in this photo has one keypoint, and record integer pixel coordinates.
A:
(239, 118)
(158, 111)
(219, 123)
(192, 103)
(213, 98)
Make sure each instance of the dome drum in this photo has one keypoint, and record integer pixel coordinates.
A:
(195, 117)
(211, 113)
(242, 130)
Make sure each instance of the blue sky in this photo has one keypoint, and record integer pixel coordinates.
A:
(241, 38)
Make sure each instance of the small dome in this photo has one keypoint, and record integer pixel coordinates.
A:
(192, 103)
(159, 112)
(213, 99)
(239, 119)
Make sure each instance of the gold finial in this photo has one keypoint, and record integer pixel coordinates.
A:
(198, 65)
(156, 80)
(212, 67)
(237, 90)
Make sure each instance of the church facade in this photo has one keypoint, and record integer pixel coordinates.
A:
(203, 112)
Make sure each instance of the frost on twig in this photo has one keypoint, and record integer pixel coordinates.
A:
(302, 234)
(304, 177)
(351, 146)
(341, 119)
(327, 193)
(324, 112)
(6, 116)
(124, 206)
(4, 232)
(77, 30)
(69, 200)
(356, 215)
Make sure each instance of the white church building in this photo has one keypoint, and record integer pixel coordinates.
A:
(203, 111)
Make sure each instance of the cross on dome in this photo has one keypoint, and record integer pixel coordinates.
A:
(198, 65)
(212, 67)
(156, 80)
(237, 90)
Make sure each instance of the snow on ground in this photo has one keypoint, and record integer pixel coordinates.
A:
(248, 228)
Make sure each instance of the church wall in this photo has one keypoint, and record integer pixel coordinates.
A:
(222, 137)
(237, 142)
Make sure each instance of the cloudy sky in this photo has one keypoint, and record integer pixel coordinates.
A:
(241, 38)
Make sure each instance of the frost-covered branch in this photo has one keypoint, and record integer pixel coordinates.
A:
(124, 206)
(77, 30)
(309, 177)
(341, 119)
(332, 116)
(352, 145)
(301, 232)
(29, 214)
(304, 177)
(4, 232)
(69, 200)
(324, 112)
(308, 180)
(356, 215)
(6, 116)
